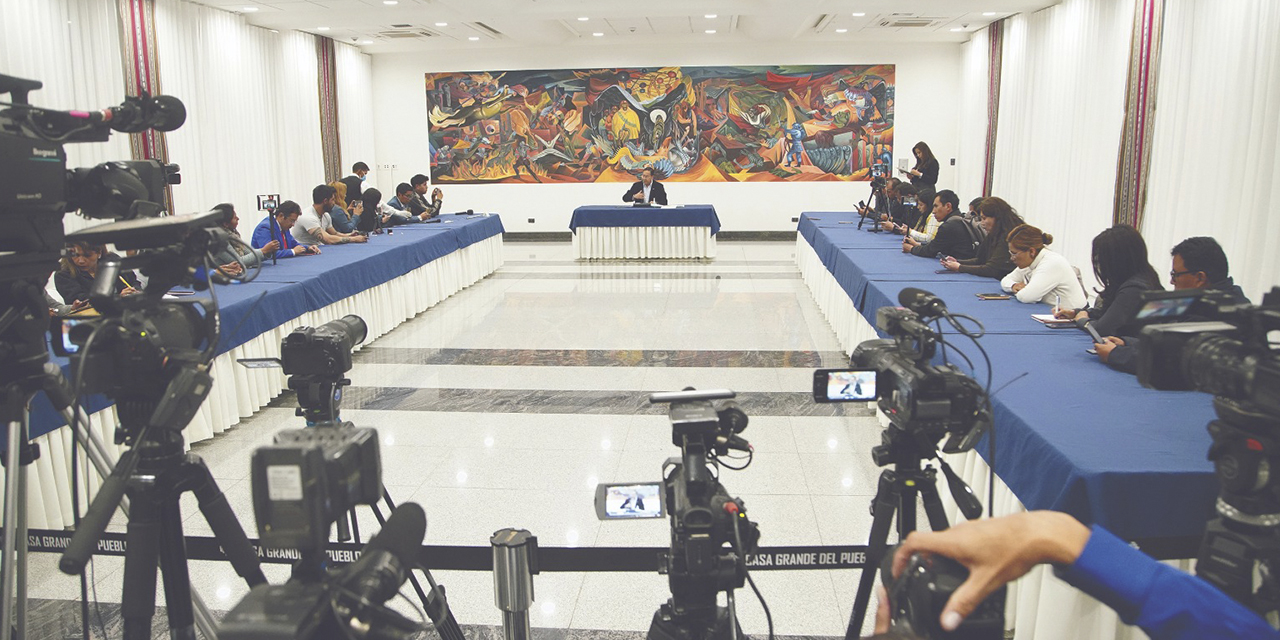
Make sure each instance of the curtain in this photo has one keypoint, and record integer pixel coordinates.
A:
(1061, 110)
(1139, 113)
(1215, 169)
(326, 73)
(253, 121)
(355, 106)
(972, 112)
(73, 47)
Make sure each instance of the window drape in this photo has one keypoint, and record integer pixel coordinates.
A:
(355, 107)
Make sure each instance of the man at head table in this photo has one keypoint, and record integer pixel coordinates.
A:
(646, 190)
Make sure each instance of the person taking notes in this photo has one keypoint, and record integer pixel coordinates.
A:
(1040, 275)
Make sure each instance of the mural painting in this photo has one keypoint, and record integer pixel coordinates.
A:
(696, 124)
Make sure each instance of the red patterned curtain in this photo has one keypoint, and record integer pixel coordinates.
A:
(995, 42)
(141, 63)
(1139, 110)
(328, 83)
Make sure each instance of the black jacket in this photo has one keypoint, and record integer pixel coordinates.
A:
(928, 176)
(951, 240)
(1114, 317)
(657, 193)
(993, 259)
(76, 287)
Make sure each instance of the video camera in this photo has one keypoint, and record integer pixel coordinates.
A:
(1212, 341)
(919, 595)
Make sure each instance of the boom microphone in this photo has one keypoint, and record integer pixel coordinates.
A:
(385, 563)
(923, 303)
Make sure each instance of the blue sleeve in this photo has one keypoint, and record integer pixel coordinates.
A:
(261, 236)
(341, 221)
(1166, 603)
(395, 203)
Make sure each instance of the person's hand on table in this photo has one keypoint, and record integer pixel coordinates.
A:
(1071, 314)
(231, 268)
(1018, 286)
(909, 243)
(355, 237)
(886, 225)
(996, 552)
(950, 264)
(78, 305)
(307, 250)
(1105, 348)
(129, 291)
(271, 247)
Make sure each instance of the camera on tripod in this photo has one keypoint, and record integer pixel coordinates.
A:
(1210, 341)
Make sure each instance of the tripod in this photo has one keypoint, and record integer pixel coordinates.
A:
(880, 205)
(896, 493)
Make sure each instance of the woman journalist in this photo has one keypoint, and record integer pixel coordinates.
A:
(993, 261)
(1120, 265)
(1040, 275)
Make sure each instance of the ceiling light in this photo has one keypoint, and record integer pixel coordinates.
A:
(957, 28)
(597, 34)
(474, 38)
(583, 19)
(710, 16)
(273, 30)
(442, 24)
(990, 13)
(842, 31)
(710, 31)
(859, 14)
(366, 42)
(322, 28)
(249, 9)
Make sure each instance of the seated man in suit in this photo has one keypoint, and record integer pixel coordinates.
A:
(646, 190)
(951, 238)
(275, 240)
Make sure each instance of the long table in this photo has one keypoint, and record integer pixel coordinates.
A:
(626, 232)
(1072, 435)
(386, 281)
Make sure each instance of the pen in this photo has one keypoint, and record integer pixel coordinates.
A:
(126, 283)
(1057, 304)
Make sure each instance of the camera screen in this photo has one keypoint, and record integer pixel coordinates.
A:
(1166, 307)
(844, 385)
(63, 335)
(629, 501)
(910, 201)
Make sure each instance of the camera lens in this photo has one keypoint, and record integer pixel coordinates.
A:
(352, 326)
(1219, 365)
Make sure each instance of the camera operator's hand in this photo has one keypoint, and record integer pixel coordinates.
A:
(996, 552)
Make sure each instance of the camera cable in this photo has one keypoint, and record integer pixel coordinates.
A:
(734, 514)
(954, 321)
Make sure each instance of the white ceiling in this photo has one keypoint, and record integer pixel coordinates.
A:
(415, 25)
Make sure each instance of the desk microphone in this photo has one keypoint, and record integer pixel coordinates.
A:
(925, 304)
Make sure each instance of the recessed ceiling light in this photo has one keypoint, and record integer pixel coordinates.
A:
(957, 28)
(322, 28)
(710, 16)
(474, 38)
(249, 9)
(583, 19)
(859, 15)
(842, 31)
(273, 30)
(366, 42)
(598, 34)
(389, 2)
(990, 13)
(442, 24)
(710, 31)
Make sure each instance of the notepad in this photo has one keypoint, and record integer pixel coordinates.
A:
(1048, 320)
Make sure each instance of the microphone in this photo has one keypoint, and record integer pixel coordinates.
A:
(922, 302)
(139, 113)
(385, 563)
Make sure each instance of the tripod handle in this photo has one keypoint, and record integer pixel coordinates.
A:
(95, 520)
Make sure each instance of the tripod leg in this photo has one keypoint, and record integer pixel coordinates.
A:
(173, 567)
(226, 528)
(883, 507)
(20, 598)
(933, 506)
(138, 600)
(8, 557)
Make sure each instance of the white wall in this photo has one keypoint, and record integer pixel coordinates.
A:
(928, 85)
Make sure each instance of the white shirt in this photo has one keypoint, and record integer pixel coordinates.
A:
(311, 220)
(1050, 279)
(647, 187)
(930, 230)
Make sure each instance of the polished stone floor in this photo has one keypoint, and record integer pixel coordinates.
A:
(506, 404)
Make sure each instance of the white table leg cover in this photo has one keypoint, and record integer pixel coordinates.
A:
(238, 392)
(1040, 606)
(613, 243)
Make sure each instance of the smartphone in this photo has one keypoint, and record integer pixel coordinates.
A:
(1091, 351)
(993, 296)
(1097, 339)
(629, 501)
(844, 385)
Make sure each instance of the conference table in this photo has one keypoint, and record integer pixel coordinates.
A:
(613, 232)
(385, 281)
(1071, 434)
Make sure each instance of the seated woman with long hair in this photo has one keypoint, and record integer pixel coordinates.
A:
(1120, 265)
(1040, 275)
(993, 261)
(74, 278)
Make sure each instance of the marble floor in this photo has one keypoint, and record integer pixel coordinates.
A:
(506, 404)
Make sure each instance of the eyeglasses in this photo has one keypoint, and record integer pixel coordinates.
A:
(1173, 275)
(1014, 253)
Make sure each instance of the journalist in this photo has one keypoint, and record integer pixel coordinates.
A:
(420, 185)
(1040, 275)
(274, 239)
(925, 173)
(75, 275)
(1198, 263)
(1120, 265)
(993, 259)
(952, 237)
(1164, 602)
(315, 225)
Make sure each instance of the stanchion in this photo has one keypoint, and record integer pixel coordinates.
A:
(514, 563)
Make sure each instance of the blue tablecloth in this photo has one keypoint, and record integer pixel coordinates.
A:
(1072, 435)
(689, 215)
(295, 286)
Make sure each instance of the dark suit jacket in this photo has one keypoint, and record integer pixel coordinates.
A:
(951, 240)
(657, 193)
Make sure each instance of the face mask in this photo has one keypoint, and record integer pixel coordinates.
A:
(364, 177)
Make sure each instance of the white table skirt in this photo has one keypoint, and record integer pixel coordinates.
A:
(613, 243)
(238, 392)
(1040, 606)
